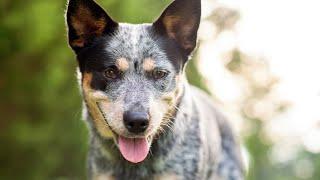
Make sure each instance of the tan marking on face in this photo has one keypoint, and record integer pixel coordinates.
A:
(91, 98)
(170, 100)
(171, 97)
(148, 64)
(163, 109)
(157, 112)
(122, 64)
(114, 113)
(85, 24)
(106, 114)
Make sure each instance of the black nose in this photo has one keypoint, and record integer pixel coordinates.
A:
(136, 122)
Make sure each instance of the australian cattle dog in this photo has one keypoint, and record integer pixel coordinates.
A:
(145, 120)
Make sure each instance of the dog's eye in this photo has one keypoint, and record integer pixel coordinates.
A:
(112, 72)
(158, 74)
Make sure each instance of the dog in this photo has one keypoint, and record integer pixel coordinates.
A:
(145, 120)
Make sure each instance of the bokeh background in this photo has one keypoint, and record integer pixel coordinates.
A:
(259, 59)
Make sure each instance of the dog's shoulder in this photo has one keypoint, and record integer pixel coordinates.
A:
(219, 135)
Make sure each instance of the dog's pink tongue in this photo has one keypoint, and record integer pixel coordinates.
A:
(133, 149)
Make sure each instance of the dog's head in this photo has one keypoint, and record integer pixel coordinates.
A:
(131, 75)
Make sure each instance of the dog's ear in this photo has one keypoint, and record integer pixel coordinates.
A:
(180, 22)
(86, 20)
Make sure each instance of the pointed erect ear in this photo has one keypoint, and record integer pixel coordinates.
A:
(86, 20)
(180, 22)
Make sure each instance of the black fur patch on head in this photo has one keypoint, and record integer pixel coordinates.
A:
(172, 50)
(95, 59)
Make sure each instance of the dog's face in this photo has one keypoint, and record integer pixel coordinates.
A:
(131, 75)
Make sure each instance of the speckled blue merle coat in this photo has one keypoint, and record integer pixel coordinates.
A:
(125, 68)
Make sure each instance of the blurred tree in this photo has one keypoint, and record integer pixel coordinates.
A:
(259, 83)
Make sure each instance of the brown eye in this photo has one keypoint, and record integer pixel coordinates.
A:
(158, 74)
(112, 72)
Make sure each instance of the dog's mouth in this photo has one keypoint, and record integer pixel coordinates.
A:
(133, 149)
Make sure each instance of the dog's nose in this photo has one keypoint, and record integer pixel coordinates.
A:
(136, 122)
